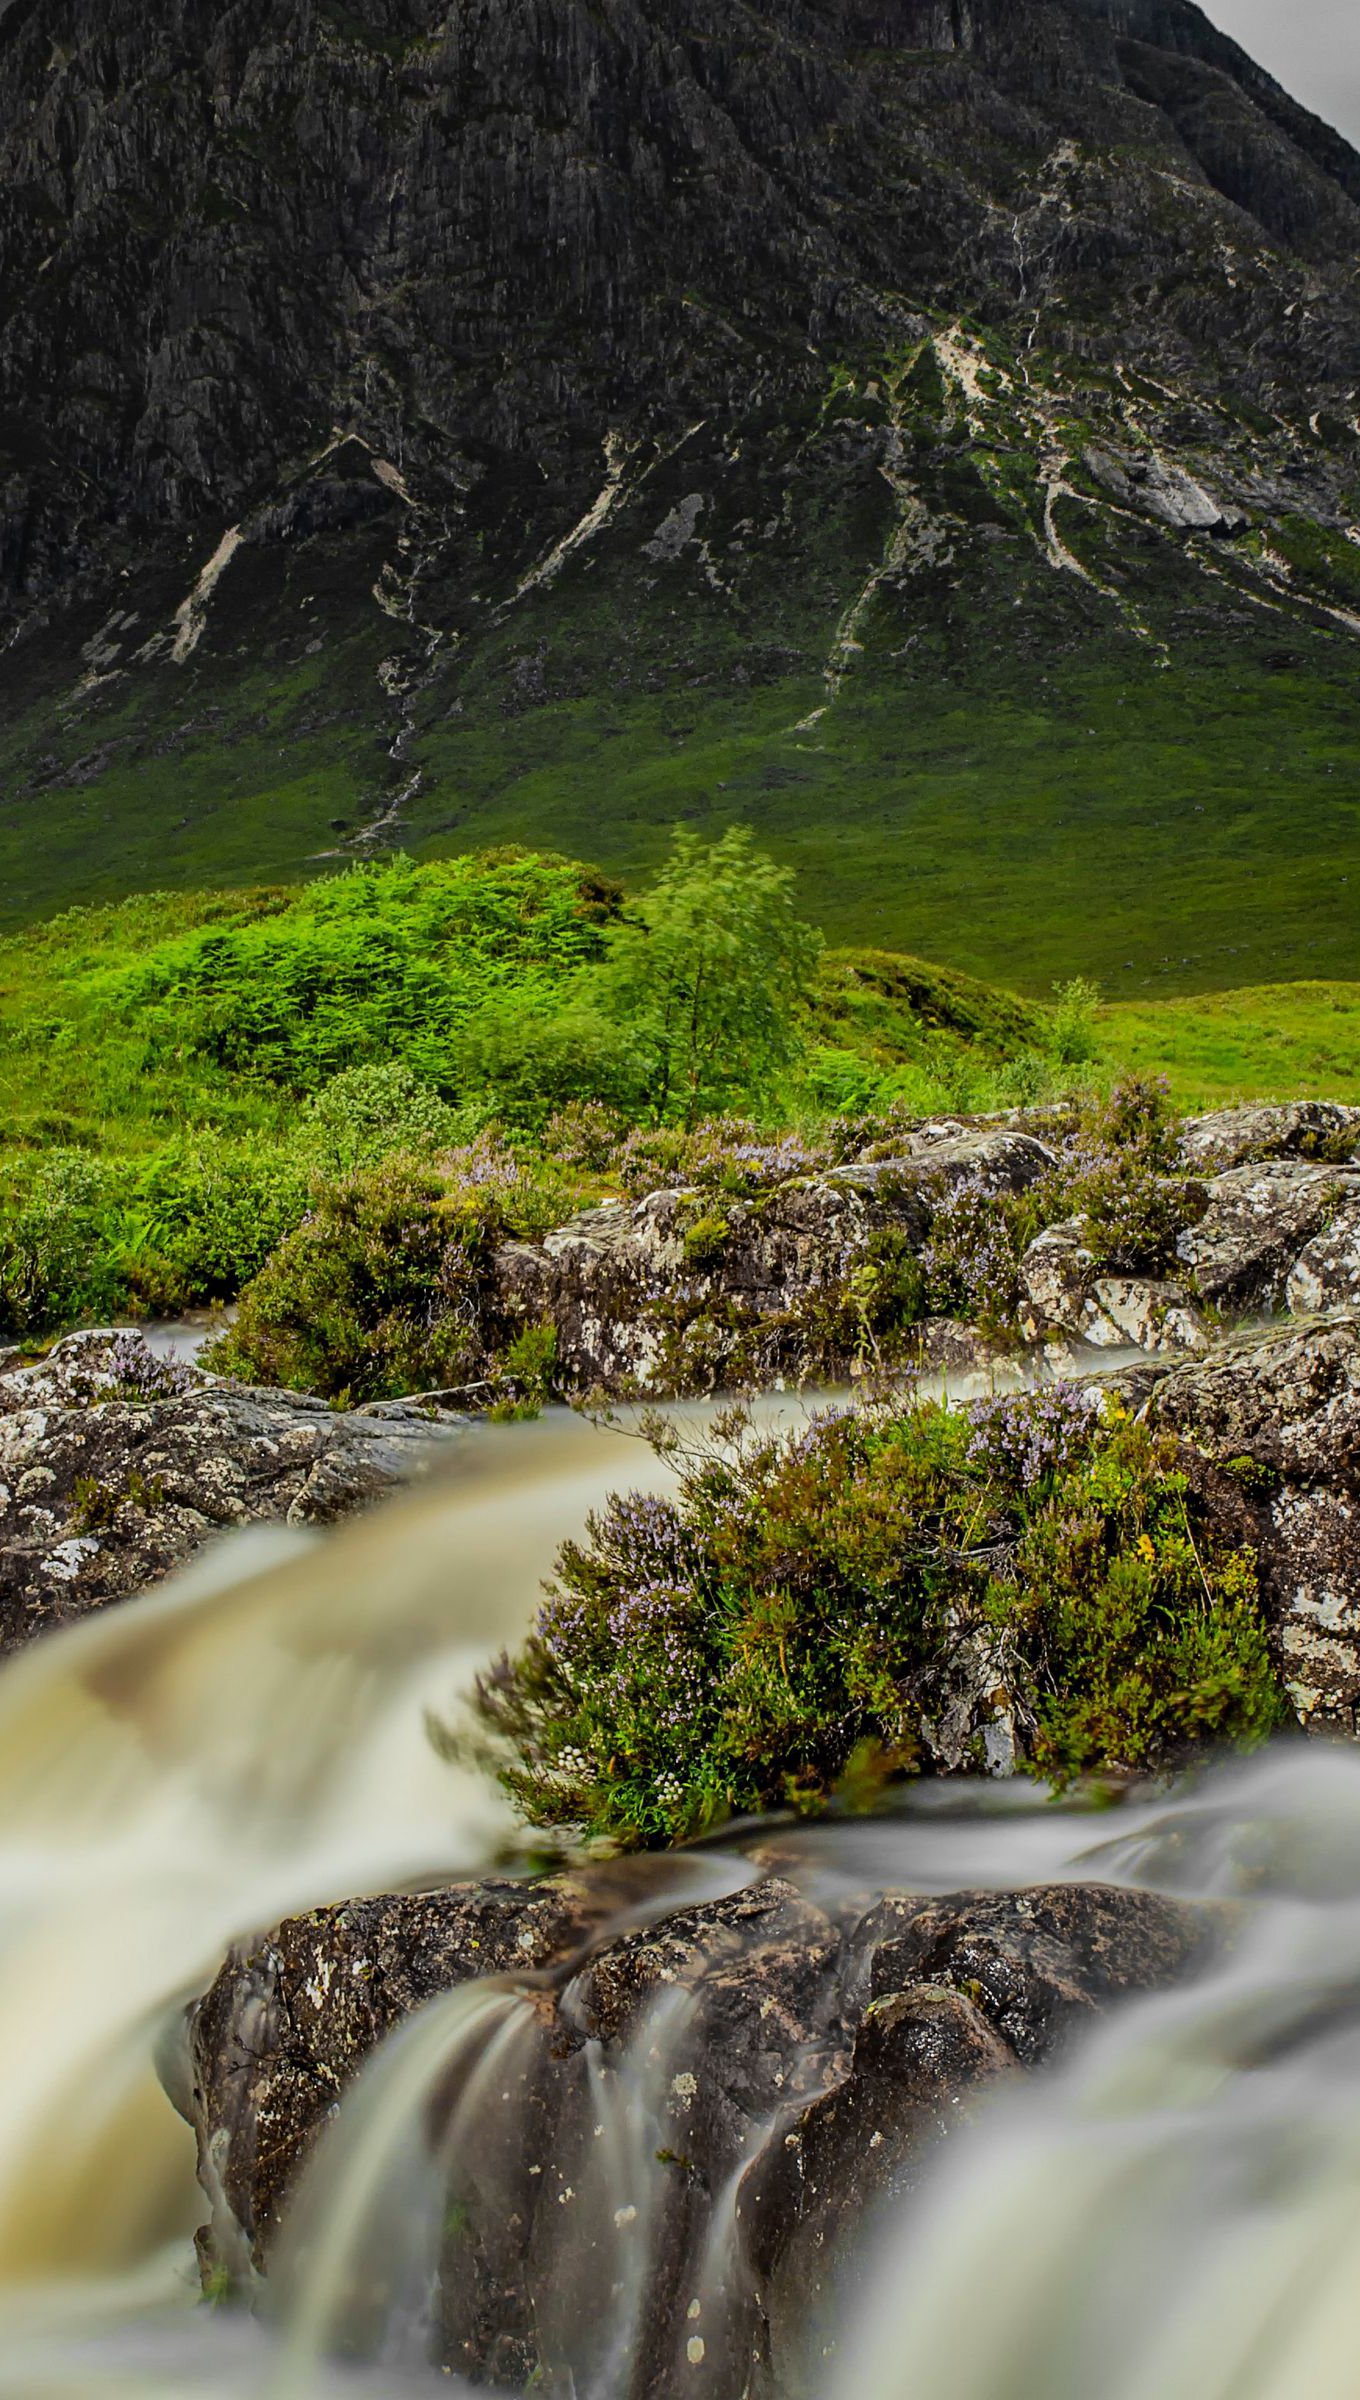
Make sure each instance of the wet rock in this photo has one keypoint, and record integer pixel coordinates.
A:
(291, 2019)
(107, 1484)
(1288, 1400)
(700, 2109)
(1260, 1220)
(1311, 1567)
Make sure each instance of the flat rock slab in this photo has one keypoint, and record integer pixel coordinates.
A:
(106, 1487)
(754, 2071)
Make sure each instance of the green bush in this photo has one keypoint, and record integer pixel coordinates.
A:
(374, 1294)
(57, 1263)
(711, 973)
(368, 1113)
(528, 1060)
(775, 1635)
(383, 963)
(1074, 1039)
(200, 1218)
(380, 1290)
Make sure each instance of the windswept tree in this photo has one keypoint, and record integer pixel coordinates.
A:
(711, 971)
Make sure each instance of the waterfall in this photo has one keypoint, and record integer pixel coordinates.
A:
(1170, 2213)
(1176, 2214)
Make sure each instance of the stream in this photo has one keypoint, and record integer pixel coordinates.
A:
(1174, 2212)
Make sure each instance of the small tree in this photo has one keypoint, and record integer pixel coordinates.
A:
(1075, 1038)
(710, 972)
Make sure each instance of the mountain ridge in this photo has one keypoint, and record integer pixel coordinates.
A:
(448, 401)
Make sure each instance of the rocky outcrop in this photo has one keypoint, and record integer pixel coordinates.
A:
(735, 2081)
(1268, 1224)
(692, 1291)
(116, 1467)
(1065, 1292)
(689, 1290)
(1281, 1412)
(1324, 1131)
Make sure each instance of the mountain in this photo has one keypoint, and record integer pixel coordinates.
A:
(923, 429)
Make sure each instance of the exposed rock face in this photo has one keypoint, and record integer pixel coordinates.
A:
(542, 321)
(1064, 1291)
(104, 1489)
(816, 2051)
(1267, 1222)
(1287, 1405)
(1321, 1130)
(688, 1291)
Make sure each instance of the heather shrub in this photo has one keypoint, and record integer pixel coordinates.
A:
(374, 1294)
(380, 1290)
(135, 1372)
(773, 1636)
(1121, 1171)
(720, 1154)
(971, 1261)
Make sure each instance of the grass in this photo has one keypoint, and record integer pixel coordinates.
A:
(70, 1073)
(1296, 1041)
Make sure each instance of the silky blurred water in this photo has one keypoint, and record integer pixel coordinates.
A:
(1174, 2215)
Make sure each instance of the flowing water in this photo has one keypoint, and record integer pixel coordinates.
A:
(1174, 2214)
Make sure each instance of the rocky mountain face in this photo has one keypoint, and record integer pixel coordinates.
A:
(542, 418)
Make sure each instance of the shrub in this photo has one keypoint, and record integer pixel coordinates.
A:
(375, 1293)
(368, 1113)
(135, 1372)
(526, 1059)
(200, 1218)
(723, 1154)
(1121, 1171)
(384, 962)
(1075, 1041)
(56, 1252)
(780, 1626)
(710, 974)
(380, 1289)
(971, 1261)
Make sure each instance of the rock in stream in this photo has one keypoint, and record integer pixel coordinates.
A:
(702, 2107)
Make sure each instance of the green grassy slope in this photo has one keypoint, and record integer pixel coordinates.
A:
(1033, 736)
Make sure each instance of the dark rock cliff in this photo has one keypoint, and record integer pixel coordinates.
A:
(480, 238)
(459, 366)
